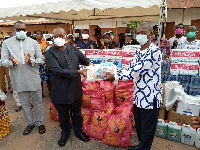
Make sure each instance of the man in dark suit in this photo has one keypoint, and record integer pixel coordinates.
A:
(63, 62)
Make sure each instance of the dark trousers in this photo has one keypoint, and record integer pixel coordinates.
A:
(145, 123)
(64, 117)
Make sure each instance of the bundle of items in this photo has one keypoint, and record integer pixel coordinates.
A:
(53, 113)
(124, 92)
(98, 125)
(98, 72)
(86, 115)
(108, 89)
(102, 119)
(93, 99)
(117, 133)
(4, 118)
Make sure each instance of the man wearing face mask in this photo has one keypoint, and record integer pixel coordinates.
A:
(106, 41)
(164, 44)
(179, 38)
(4, 72)
(23, 55)
(191, 42)
(129, 38)
(85, 42)
(77, 35)
(145, 70)
(66, 88)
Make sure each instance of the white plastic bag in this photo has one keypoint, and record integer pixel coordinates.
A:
(98, 72)
(2, 95)
(173, 92)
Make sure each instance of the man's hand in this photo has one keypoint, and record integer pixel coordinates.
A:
(102, 42)
(91, 64)
(27, 58)
(196, 121)
(91, 46)
(83, 72)
(175, 44)
(14, 61)
(110, 77)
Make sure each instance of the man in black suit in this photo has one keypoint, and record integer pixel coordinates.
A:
(66, 88)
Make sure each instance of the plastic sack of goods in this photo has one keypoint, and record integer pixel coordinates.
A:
(98, 72)
(4, 118)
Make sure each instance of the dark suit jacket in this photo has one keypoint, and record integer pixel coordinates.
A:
(66, 85)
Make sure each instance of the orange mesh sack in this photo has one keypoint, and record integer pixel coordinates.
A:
(123, 96)
(109, 108)
(86, 115)
(90, 85)
(124, 110)
(117, 133)
(53, 113)
(93, 99)
(125, 84)
(98, 125)
(4, 120)
(109, 90)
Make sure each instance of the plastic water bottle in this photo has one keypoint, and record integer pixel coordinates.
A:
(163, 53)
(188, 135)
(174, 131)
(161, 129)
(197, 140)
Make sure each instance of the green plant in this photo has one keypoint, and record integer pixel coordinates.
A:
(133, 24)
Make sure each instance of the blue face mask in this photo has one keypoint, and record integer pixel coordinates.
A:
(21, 35)
(107, 40)
(127, 34)
(142, 39)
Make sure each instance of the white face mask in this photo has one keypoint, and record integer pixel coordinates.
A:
(85, 36)
(76, 34)
(21, 35)
(59, 42)
(142, 39)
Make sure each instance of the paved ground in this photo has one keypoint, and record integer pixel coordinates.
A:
(48, 141)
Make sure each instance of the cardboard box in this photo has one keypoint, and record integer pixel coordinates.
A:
(187, 109)
(184, 55)
(162, 112)
(184, 68)
(179, 118)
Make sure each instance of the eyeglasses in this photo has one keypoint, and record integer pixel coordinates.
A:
(59, 36)
(18, 29)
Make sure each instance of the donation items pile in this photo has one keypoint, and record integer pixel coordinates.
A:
(107, 110)
(178, 132)
(183, 67)
(4, 118)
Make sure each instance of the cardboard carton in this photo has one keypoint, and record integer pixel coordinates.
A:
(179, 118)
(162, 112)
(187, 109)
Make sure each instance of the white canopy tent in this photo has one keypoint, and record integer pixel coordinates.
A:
(83, 11)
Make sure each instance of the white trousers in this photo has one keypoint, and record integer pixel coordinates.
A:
(25, 101)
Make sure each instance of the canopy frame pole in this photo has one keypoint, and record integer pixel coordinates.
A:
(162, 8)
(73, 27)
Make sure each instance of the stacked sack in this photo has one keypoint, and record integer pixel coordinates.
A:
(106, 111)
(4, 120)
(53, 113)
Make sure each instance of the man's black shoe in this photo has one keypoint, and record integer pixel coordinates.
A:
(63, 141)
(133, 147)
(83, 137)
